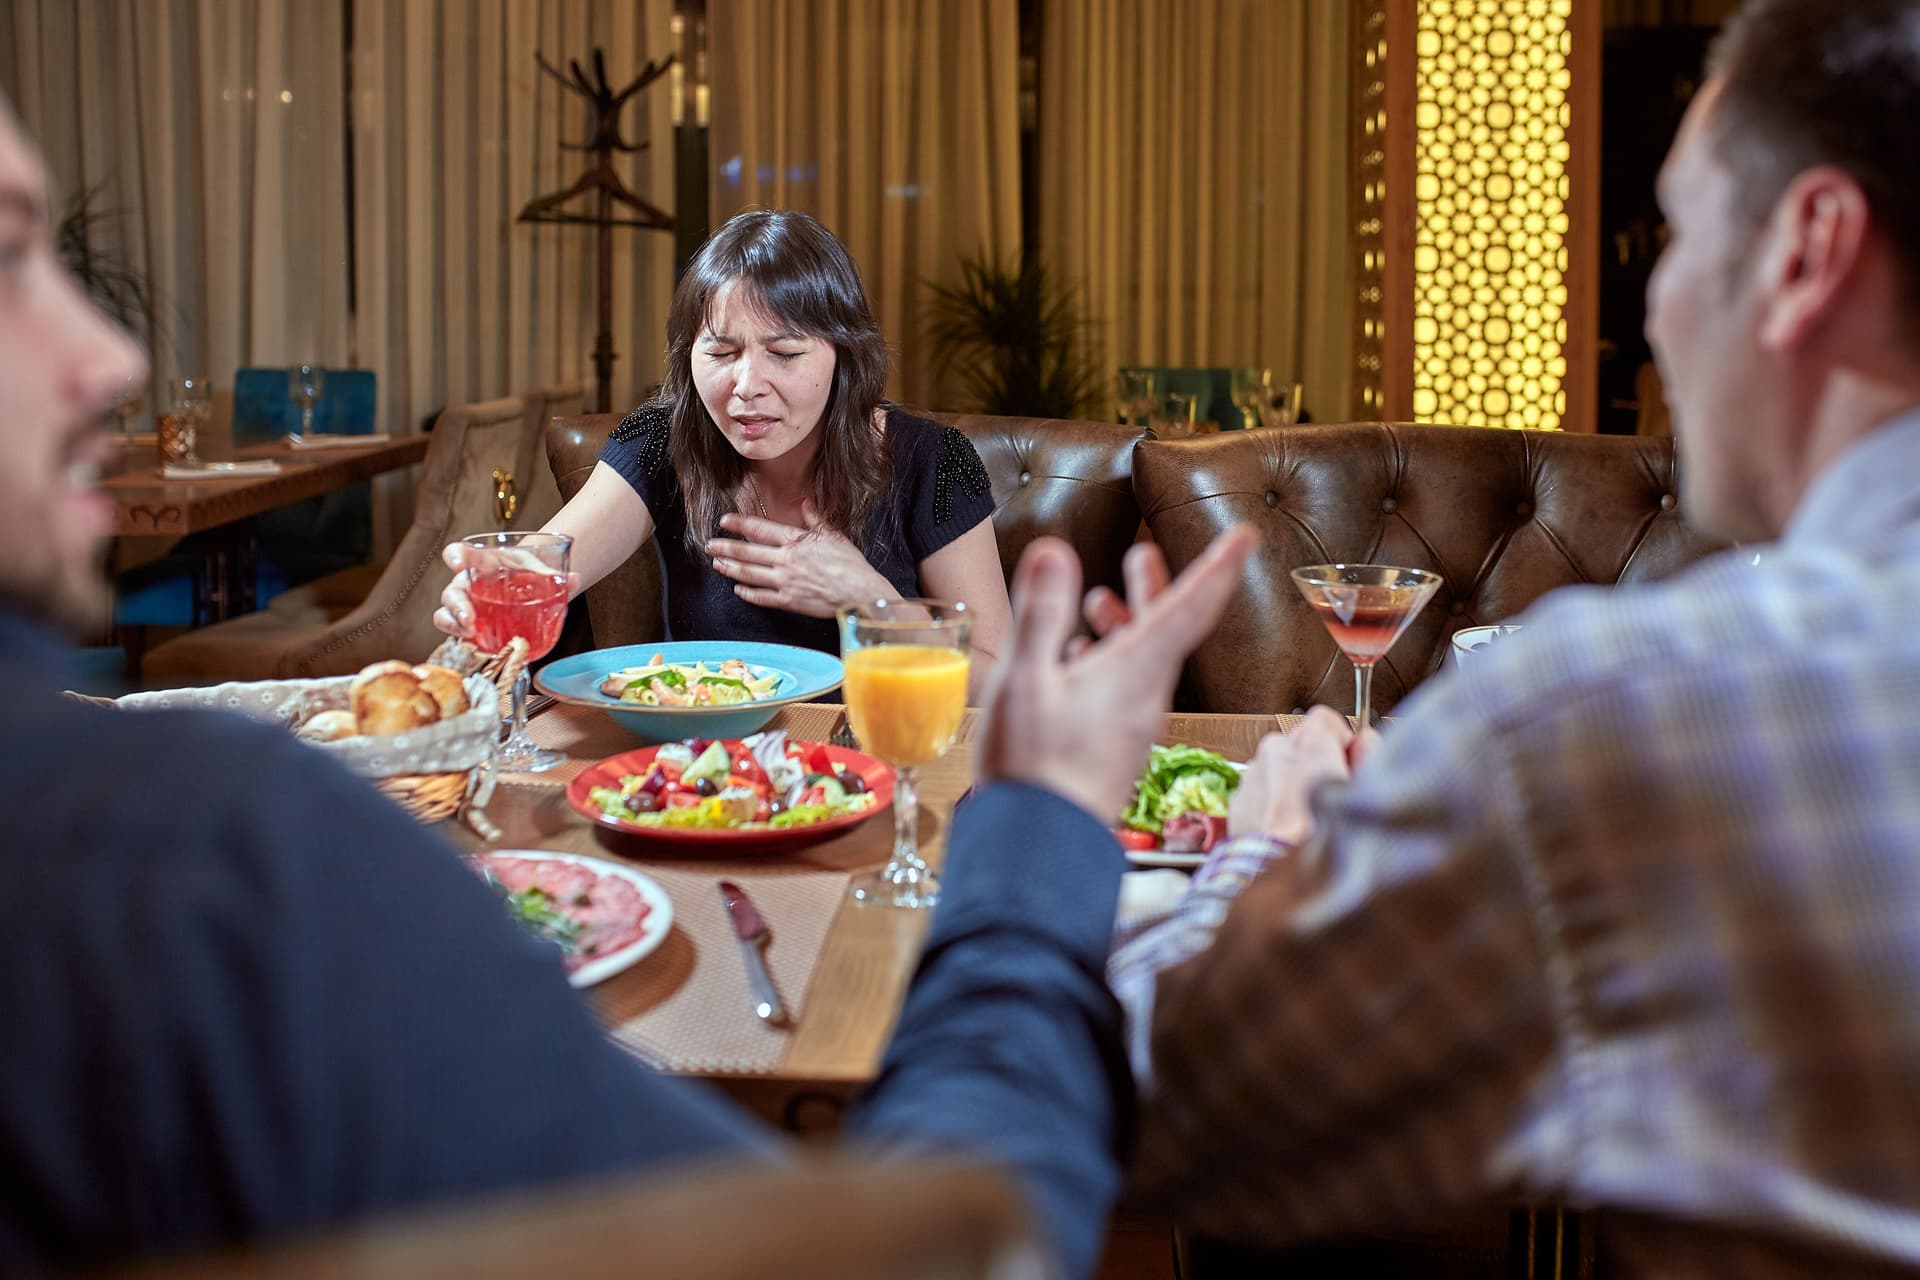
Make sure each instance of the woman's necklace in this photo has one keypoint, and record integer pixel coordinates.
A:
(758, 501)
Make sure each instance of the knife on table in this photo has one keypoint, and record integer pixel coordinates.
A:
(751, 929)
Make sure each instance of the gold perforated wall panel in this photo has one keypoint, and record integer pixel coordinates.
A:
(1491, 187)
(1370, 207)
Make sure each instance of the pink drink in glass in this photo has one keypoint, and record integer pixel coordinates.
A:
(518, 602)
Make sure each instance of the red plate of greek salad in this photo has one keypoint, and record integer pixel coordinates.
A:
(763, 789)
(1179, 809)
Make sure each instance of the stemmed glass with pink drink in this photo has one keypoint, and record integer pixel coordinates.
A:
(517, 585)
(1365, 607)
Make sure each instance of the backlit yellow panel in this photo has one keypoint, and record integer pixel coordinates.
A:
(1490, 222)
(1370, 205)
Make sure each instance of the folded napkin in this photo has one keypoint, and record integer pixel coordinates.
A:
(1149, 893)
(332, 440)
(219, 470)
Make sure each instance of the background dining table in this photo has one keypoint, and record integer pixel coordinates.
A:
(148, 505)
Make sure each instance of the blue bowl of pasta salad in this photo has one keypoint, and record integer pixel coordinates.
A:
(691, 688)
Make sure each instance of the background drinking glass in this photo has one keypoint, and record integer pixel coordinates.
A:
(906, 691)
(517, 585)
(128, 405)
(1137, 389)
(305, 382)
(177, 431)
(1282, 406)
(1365, 607)
(1249, 391)
(1173, 415)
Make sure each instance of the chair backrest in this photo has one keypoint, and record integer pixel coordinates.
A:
(1061, 478)
(813, 1219)
(539, 495)
(457, 496)
(1504, 516)
(1058, 478)
(625, 607)
(264, 409)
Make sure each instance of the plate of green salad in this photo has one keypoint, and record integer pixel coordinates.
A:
(1179, 808)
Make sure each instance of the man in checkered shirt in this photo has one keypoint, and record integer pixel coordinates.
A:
(1626, 912)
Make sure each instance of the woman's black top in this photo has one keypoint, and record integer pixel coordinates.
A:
(939, 492)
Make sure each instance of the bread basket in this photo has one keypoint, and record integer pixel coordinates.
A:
(441, 771)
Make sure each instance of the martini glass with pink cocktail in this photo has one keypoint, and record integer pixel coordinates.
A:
(1365, 608)
(517, 585)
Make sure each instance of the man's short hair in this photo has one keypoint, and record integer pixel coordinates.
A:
(1805, 83)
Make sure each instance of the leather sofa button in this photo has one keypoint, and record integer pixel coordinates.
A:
(1026, 477)
(1457, 608)
(1668, 502)
(1389, 506)
(1273, 499)
(1524, 510)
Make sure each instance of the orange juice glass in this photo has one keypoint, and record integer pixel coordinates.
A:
(906, 691)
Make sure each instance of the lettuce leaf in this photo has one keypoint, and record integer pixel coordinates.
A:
(1180, 780)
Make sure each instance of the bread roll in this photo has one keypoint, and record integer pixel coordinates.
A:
(328, 726)
(446, 687)
(393, 702)
(375, 671)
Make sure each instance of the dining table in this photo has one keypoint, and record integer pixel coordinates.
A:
(842, 966)
(150, 505)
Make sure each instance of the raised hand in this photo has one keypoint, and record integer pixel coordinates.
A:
(811, 569)
(1080, 723)
(455, 614)
(1275, 794)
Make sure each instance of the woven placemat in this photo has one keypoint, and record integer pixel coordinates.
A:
(687, 1007)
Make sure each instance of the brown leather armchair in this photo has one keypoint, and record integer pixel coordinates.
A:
(1504, 516)
(1066, 479)
(457, 495)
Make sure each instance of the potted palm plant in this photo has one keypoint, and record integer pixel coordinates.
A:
(87, 241)
(1016, 339)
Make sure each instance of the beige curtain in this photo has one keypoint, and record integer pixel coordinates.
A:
(895, 122)
(1194, 181)
(220, 127)
(212, 129)
(455, 130)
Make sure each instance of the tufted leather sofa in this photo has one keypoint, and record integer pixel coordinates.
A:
(1067, 479)
(1504, 516)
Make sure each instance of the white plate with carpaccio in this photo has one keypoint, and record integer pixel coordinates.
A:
(603, 917)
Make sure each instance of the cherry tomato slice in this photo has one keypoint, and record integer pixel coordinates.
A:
(1137, 841)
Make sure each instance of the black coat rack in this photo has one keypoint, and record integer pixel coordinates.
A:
(604, 184)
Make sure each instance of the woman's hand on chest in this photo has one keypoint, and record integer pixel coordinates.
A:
(810, 569)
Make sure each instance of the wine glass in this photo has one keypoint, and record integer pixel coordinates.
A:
(1282, 406)
(1137, 389)
(305, 382)
(129, 403)
(177, 432)
(906, 692)
(1247, 388)
(1173, 415)
(1365, 607)
(517, 585)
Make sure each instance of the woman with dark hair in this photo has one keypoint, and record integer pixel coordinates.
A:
(776, 480)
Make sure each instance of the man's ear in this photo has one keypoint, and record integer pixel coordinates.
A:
(1812, 254)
